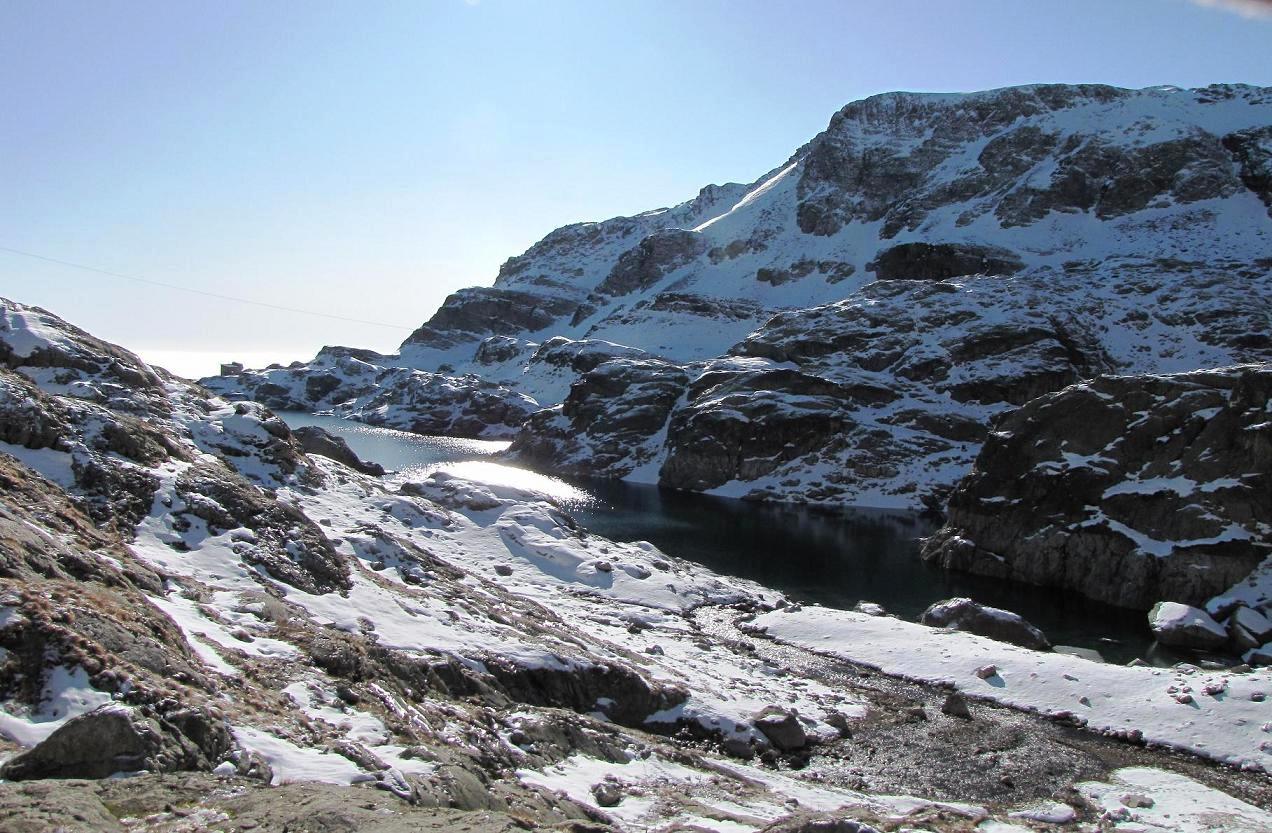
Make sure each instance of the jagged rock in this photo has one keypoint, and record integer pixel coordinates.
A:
(1129, 489)
(657, 255)
(315, 440)
(114, 739)
(870, 608)
(1248, 629)
(973, 617)
(1183, 626)
(782, 728)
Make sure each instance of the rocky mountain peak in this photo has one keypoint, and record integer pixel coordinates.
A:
(842, 329)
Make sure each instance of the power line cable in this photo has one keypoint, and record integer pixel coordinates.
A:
(203, 292)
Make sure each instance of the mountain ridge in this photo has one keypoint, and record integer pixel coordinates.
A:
(1072, 197)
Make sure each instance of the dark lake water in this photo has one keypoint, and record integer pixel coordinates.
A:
(833, 558)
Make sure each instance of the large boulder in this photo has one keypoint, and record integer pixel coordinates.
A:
(1183, 626)
(992, 622)
(316, 440)
(115, 738)
(782, 728)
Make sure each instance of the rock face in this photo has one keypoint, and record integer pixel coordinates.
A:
(963, 253)
(1129, 489)
(970, 616)
(942, 261)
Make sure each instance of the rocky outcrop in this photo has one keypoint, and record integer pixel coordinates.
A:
(481, 311)
(850, 175)
(610, 414)
(272, 535)
(1129, 489)
(782, 728)
(940, 261)
(393, 397)
(432, 403)
(1252, 150)
(315, 440)
(647, 264)
(743, 424)
(967, 615)
(870, 391)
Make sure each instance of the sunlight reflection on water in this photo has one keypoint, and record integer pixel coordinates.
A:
(496, 474)
(416, 456)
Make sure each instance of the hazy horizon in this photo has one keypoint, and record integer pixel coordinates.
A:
(366, 161)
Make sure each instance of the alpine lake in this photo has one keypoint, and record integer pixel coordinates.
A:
(813, 555)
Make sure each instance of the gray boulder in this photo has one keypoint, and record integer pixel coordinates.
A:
(782, 728)
(1259, 656)
(116, 738)
(982, 620)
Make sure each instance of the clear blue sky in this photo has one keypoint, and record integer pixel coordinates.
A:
(367, 158)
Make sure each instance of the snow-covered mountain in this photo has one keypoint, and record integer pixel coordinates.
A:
(842, 329)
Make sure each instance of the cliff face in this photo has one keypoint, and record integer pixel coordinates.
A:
(1128, 489)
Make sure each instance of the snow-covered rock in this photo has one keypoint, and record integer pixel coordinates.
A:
(348, 383)
(1183, 626)
(967, 615)
(1248, 628)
